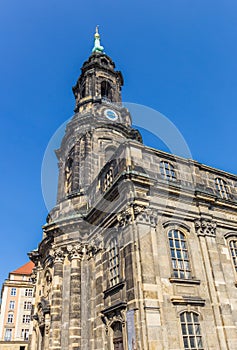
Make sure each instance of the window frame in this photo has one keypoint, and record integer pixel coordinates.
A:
(5, 334)
(12, 305)
(10, 317)
(25, 333)
(167, 171)
(26, 319)
(222, 188)
(114, 262)
(188, 326)
(29, 292)
(108, 179)
(179, 259)
(13, 292)
(27, 305)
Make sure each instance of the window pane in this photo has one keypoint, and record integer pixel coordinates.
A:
(189, 317)
(190, 329)
(186, 343)
(199, 343)
(192, 342)
(184, 330)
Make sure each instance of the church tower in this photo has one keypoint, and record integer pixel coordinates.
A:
(140, 250)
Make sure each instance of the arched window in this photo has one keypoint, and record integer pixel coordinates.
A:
(113, 262)
(191, 331)
(233, 252)
(106, 90)
(179, 254)
(222, 188)
(167, 171)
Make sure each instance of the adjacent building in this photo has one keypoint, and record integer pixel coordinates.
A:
(140, 251)
(15, 317)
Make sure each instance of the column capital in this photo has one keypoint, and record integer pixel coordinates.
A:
(76, 251)
(58, 254)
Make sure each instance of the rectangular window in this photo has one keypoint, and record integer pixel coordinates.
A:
(12, 305)
(25, 334)
(10, 318)
(28, 292)
(27, 305)
(179, 254)
(8, 334)
(13, 292)
(26, 319)
(113, 262)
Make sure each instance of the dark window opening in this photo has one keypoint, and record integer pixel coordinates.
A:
(104, 61)
(106, 90)
(83, 91)
(117, 336)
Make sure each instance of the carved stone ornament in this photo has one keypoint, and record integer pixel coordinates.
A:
(33, 276)
(92, 248)
(43, 309)
(125, 217)
(47, 284)
(149, 217)
(58, 255)
(205, 227)
(115, 315)
(76, 251)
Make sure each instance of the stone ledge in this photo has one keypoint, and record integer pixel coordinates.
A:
(184, 281)
(114, 289)
(184, 300)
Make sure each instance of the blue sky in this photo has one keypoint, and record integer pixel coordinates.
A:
(177, 56)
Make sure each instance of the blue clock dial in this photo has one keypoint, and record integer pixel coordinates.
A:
(111, 115)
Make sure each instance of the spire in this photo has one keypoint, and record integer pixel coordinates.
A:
(97, 47)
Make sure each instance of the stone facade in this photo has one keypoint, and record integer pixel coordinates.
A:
(140, 251)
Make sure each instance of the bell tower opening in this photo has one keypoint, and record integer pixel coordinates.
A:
(106, 90)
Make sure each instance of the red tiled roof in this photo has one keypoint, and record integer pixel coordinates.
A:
(24, 269)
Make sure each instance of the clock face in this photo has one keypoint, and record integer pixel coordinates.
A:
(110, 114)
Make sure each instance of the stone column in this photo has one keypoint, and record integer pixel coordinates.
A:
(75, 255)
(56, 309)
(205, 229)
